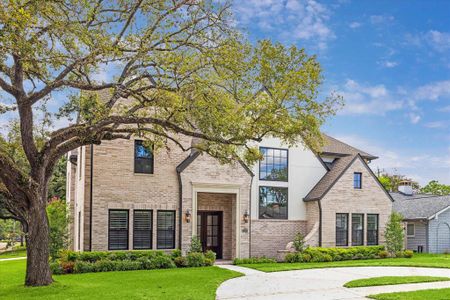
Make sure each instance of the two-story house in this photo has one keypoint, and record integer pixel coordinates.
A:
(123, 195)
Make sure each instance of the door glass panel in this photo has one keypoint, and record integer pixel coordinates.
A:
(209, 241)
(215, 220)
(199, 225)
(214, 242)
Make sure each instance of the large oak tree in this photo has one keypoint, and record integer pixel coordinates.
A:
(183, 68)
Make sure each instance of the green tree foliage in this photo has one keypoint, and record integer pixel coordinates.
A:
(57, 184)
(394, 233)
(436, 188)
(391, 182)
(181, 70)
(58, 223)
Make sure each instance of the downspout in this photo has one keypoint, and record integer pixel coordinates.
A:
(90, 196)
(180, 205)
(320, 223)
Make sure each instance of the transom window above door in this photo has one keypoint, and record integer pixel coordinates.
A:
(274, 165)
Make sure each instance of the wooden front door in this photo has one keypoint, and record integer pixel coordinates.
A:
(209, 230)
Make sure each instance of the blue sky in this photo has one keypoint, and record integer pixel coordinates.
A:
(390, 60)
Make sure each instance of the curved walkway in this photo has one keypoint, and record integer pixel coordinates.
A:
(320, 283)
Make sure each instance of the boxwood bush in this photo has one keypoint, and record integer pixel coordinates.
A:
(104, 261)
(253, 260)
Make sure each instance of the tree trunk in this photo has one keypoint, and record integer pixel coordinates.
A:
(37, 238)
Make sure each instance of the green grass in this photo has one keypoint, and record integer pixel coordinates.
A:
(188, 283)
(13, 253)
(435, 294)
(418, 260)
(390, 280)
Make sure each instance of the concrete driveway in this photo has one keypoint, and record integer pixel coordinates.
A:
(320, 283)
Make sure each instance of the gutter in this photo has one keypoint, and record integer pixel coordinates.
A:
(90, 196)
(250, 219)
(320, 223)
(180, 208)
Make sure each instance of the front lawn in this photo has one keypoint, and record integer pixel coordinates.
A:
(390, 280)
(183, 283)
(438, 294)
(418, 260)
(13, 253)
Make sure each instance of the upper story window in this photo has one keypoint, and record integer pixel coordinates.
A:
(143, 158)
(273, 202)
(274, 165)
(357, 180)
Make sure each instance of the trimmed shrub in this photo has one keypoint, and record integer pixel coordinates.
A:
(176, 253)
(293, 257)
(180, 261)
(210, 255)
(299, 242)
(195, 259)
(253, 260)
(383, 254)
(408, 253)
(318, 254)
(56, 268)
(208, 262)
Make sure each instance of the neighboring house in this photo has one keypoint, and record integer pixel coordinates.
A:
(123, 195)
(427, 220)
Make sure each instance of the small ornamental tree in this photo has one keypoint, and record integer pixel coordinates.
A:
(196, 245)
(58, 225)
(394, 233)
(164, 70)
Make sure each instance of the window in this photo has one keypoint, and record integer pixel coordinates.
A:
(118, 230)
(372, 229)
(357, 180)
(273, 202)
(341, 229)
(142, 229)
(166, 229)
(274, 165)
(410, 229)
(357, 229)
(143, 158)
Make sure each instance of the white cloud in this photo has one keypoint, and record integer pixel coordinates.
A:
(445, 109)
(433, 91)
(388, 64)
(293, 19)
(437, 124)
(367, 99)
(414, 118)
(381, 19)
(354, 25)
(439, 40)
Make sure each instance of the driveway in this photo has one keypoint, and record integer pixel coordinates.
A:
(320, 283)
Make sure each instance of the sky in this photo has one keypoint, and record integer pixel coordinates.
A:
(390, 60)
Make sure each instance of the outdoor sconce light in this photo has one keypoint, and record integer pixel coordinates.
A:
(246, 215)
(188, 216)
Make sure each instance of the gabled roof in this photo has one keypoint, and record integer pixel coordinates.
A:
(336, 147)
(338, 168)
(419, 206)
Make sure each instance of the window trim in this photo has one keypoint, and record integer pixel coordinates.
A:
(360, 181)
(414, 227)
(150, 159)
(378, 229)
(174, 228)
(287, 161)
(151, 230)
(362, 230)
(347, 231)
(287, 201)
(128, 229)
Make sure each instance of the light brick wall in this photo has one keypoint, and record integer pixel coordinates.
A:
(312, 217)
(224, 203)
(116, 186)
(207, 170)
(343, 198)
(269, 236)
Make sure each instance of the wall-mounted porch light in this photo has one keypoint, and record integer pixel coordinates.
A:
(246, 216)
(188, 216)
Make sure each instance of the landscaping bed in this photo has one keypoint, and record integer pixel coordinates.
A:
(105, 261)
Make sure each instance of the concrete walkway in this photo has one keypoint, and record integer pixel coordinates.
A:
(320, 283)
(13, 258)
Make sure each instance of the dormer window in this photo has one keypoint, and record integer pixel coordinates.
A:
(357, 180)
(143, 158)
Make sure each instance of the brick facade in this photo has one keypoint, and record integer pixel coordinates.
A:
(269, 236)
(343, 198)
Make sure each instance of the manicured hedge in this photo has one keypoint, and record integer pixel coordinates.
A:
(86, 262)
(253, 260)
(318, 254)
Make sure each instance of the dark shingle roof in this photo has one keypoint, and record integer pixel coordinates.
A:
(335, 146)
(419, 206)
(327, 181)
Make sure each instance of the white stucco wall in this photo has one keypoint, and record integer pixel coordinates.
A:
(304, 171)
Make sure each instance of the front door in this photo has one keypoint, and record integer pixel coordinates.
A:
(209, 230)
